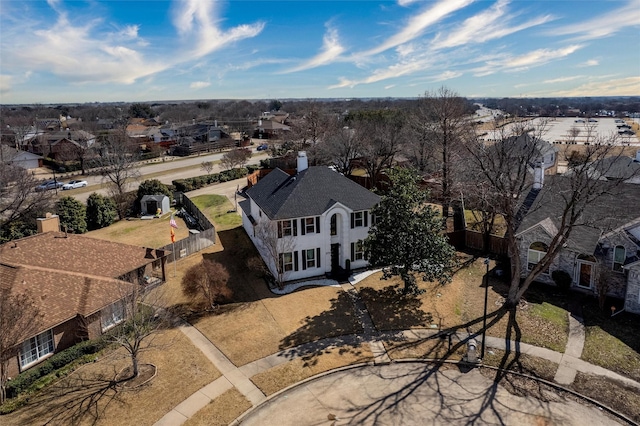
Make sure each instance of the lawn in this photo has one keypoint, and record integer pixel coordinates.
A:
(152, 233)
(221, 411)
(87, 396)
(612, 343)
(219, 210)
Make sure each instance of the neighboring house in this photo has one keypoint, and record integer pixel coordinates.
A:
(321, 218)
(603, 248)
(268, 129)
(23, 159)
(618, 168)
(150, 204)
(76, 281)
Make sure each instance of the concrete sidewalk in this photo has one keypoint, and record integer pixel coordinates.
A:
(569, 363)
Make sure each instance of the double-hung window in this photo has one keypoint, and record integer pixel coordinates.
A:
(310, 258)
(359, 219)
(310, 225)
(287, 261)
(535, 254)
(36, 348)
(112, 315)
(357, 250)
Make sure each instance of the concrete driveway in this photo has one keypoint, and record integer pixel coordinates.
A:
(410, 394)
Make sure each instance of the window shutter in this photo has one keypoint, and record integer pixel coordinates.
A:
(295, 260)
(295, 228)
(281, 262)
(303, 227)
(317, 224)
(304, 259)
(318, 256)
(279, 229)
(353, 252)
(353, 220)
(366, 218)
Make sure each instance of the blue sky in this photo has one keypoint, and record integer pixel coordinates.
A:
(84, 51)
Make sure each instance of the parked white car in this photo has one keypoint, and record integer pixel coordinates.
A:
(74, 184)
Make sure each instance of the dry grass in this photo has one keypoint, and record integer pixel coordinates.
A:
(221, 411)
(525, 364)
(88, 396)
(609, 392)
(298, 369)
(542, 324)
(438, 306)
(152, 233)
(219, 210)
(250, 331)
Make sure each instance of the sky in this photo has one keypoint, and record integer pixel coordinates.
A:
(60, 51)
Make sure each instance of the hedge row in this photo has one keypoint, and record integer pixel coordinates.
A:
(55, 362)
(189, 184)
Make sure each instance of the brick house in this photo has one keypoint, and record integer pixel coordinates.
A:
(77, 283)
(604, 244)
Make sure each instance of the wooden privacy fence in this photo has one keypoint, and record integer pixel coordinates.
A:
(467, 239)
(196, 241)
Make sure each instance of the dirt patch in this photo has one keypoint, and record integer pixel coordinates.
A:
(296, 370)
(221, 411)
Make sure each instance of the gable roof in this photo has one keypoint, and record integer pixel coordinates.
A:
(614, 209)
(308, 193)
(77, 253)
(59, 295)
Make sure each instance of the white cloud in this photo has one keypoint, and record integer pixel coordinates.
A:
(629, 86)
(5, 83)
(418, 24)
(485, 26)
(562, 79)
(606, 24)
(331, 50)
(406, 2)
(447, 75)
(589, 63)
(196, 21)
(523, 62)
(199, 85)
(82, 51)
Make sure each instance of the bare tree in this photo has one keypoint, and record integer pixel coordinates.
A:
(21, 126)
(143, 318)
(207, 166)
(118, 164)
(19, 317)
(507, 167)
(235, 158)
(275, 244)
(206, 283)
(339, 148)
(18, 199)
(440, 123)
(379, 135)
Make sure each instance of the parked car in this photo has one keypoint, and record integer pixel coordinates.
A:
(262, 147)
(49, 184)
(74, 184)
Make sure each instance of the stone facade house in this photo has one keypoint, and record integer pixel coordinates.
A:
(77, 283)
(603, 250)
(319, 220)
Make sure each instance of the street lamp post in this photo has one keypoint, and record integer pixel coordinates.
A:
(484, 317)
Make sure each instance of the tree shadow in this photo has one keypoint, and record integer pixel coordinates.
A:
(80, 398)
(391, 309)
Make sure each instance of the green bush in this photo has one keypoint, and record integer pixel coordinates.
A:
(197, 182)
(28, 378)
(73, 215)
(101, 211)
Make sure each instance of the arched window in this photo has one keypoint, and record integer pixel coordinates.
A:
(334, 224)
(536, 252)
(619, 256)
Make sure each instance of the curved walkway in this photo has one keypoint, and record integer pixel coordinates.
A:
(569, 363)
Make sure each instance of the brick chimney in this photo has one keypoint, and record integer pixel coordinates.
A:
(303, 162)
(51, 222)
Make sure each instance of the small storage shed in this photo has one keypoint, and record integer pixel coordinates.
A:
(150, 204)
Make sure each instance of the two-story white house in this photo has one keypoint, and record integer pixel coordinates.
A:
(319, 220)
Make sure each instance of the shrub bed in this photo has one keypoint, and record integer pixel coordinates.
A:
(197, 182)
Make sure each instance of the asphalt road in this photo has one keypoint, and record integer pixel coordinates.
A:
(171, 169)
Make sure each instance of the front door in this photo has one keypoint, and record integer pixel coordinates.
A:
(585, 275)
(335, 258)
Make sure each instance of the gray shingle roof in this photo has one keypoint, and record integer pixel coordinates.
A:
(616, 208)
(308, 193)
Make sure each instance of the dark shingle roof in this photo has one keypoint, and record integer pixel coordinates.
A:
(617, 207)
(308, 193)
